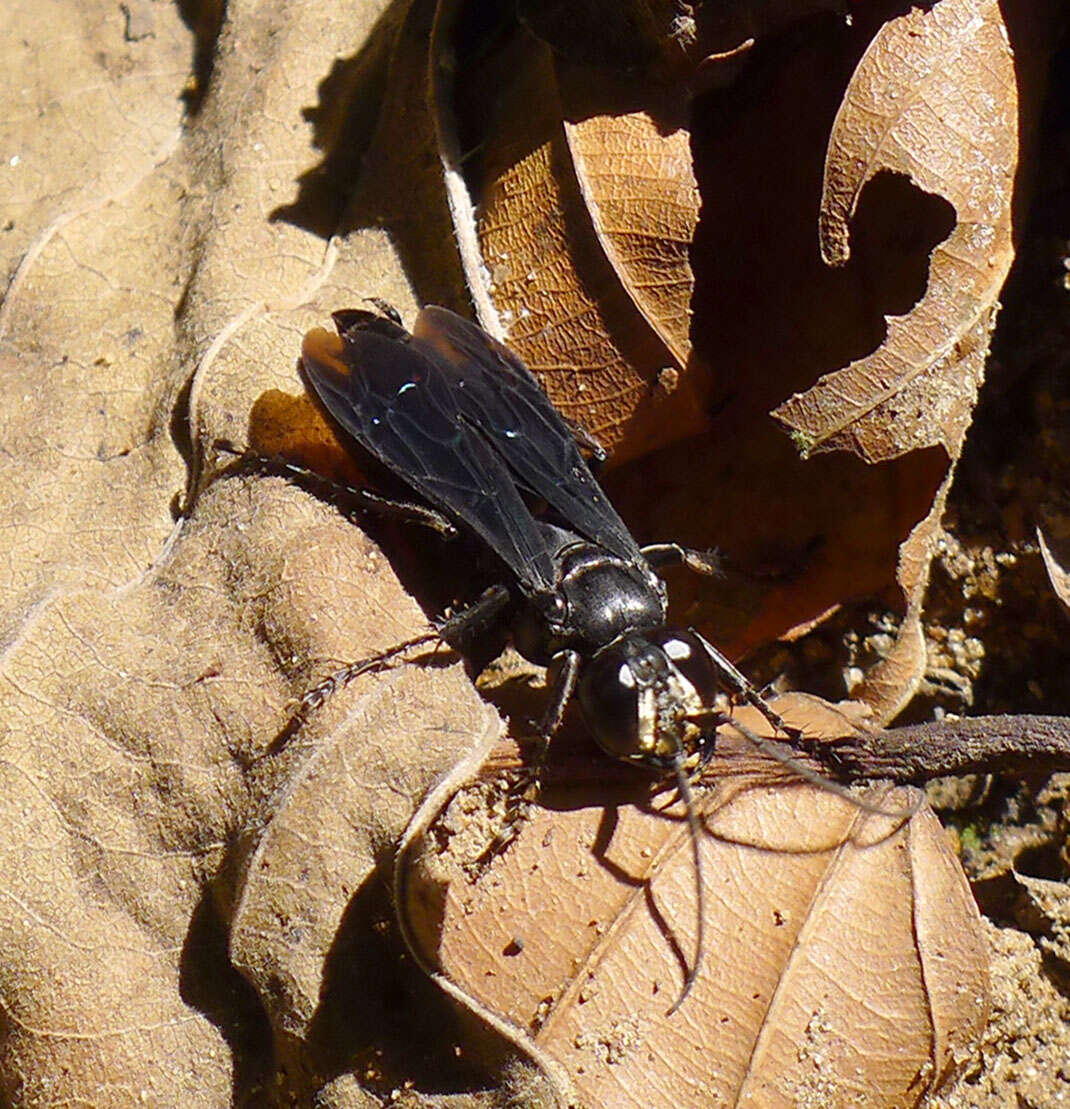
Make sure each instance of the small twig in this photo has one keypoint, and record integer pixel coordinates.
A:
(910, 755)
(975, 745)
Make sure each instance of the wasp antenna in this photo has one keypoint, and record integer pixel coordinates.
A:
(776, 751)
(684, 788)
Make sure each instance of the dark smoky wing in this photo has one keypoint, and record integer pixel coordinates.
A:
(401, 404)
(502, 397)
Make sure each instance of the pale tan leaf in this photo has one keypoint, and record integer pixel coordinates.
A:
(933, 98)
(148, 661)
(333, 820)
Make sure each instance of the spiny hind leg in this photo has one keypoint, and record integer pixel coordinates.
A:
(367, 500)
(454, 630)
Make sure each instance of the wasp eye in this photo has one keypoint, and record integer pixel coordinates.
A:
(691, 661)
(609, 696)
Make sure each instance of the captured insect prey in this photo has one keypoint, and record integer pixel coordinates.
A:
(460, 419)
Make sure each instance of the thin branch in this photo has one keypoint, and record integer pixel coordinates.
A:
(975, 745)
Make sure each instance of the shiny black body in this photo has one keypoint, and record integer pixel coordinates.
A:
(459, 418)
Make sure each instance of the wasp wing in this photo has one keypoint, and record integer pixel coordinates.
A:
(504, 400)
(403, 403)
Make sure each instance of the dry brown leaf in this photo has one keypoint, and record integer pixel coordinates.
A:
(643, 202)
(934, 98)
(152, 845)
(843, 961)
(577, 252)
(890, 684)
(528, 243)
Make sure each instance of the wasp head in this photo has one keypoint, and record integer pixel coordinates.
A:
(643, 695)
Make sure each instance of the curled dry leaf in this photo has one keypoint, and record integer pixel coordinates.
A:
(934, 98)
(641, 194)
(549, 187)
(890, 684)
(843, 960)
(576, 251)
(1058, 574)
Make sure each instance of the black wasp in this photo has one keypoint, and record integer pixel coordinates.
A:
(463, 422)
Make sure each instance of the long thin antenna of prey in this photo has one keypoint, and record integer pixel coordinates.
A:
(684, 787)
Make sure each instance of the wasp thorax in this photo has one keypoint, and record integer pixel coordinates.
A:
(598, 598)
(607, 597)
(644, 694)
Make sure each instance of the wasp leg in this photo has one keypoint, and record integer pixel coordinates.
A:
(738, 684)
(477, 618)
(386, 309)
(312, 698)
(660, 555)
(319, 693)
(367, 499)
(453, 630)
(565, 669)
